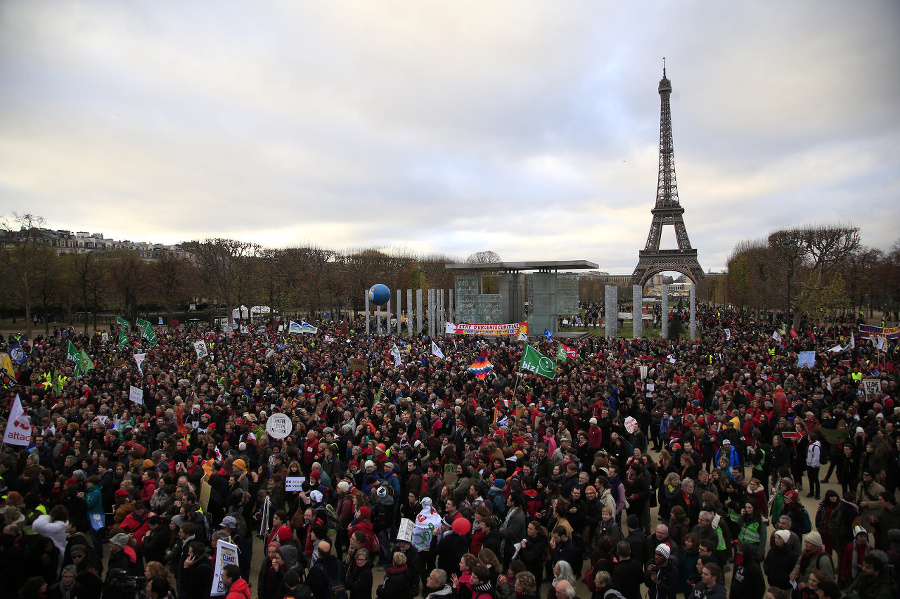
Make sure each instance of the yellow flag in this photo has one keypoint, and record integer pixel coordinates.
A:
(7, 365)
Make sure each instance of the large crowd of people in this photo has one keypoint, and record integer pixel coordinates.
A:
(642, 469)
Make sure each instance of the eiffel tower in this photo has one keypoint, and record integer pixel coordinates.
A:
(667, 211)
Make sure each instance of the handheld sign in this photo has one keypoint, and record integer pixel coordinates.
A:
(279, 426)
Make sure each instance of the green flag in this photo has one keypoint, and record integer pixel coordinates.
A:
(123, 339)
(83, 365)
(541, 365)
(72, 352)
(561, 354)
(150, 334)
(122, 322)
(56, 383)
(140, 323)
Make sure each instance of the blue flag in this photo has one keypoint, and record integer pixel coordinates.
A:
(548, 334)
(17, 354)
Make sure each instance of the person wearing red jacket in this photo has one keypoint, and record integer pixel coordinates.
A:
(310, 451)
(237, 586)
(138, 521)
(148, 485)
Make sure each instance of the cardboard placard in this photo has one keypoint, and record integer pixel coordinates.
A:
(293, 483)
(359, 365)
(871, 387)
(406, 530)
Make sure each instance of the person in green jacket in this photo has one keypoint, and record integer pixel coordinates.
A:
(874, 582)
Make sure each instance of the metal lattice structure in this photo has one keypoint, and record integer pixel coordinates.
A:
(667, 210)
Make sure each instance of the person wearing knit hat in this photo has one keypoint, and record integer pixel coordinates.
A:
(853, 554)
(812, 558)
(780, 559)
(661, 574)
(149, 465)
(664, 550)
(123, 557)
(343, 486)
(240, 464)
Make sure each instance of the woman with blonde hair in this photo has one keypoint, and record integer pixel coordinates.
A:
(154, 569)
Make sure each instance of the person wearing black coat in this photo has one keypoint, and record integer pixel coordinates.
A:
(780, 561)
(396, 580)
(661, 575)
(492, 539)
(563, 549)
(628, 573)
(156, 541)
(197, 575)
(359, 579)
(326, 568)
(450, 550)
(534, 551)
(413, 567)
(271, 574)
(747, 581)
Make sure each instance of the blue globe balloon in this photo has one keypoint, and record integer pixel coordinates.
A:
(379, 294)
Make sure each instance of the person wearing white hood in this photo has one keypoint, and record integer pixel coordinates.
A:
(425, 531)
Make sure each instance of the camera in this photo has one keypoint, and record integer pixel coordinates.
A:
(124, 584)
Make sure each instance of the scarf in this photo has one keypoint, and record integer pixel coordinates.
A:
(506, 520)
(485, 588)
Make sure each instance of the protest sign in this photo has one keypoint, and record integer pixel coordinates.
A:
(226, 554)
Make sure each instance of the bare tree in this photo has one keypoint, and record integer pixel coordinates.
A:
(130, 279)
(821, 249)
(485, 257)
(172, 275)
(221, 265)
(88, 279)
(20, 256)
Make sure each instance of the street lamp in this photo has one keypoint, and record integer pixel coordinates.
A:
(789, 243)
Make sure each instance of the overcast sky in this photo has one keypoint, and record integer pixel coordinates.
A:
(526, 128)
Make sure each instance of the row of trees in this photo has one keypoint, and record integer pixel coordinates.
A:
(224, 272)
(823, 271)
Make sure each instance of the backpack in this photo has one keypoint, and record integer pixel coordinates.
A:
(336, 589)
(806, 524)
(331, 520)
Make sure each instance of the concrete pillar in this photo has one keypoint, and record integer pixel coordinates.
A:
(419, 323)
(410, 316)
(664, 331)
(693, 312)
(637, 311)
(612, 311)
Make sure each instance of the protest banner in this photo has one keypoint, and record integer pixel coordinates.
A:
(871, 387)
(226, 554)
(359, 365)
(293, 483)
(279, 426)
(462, 328)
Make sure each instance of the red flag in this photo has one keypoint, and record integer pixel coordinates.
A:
(571, 352)
(793, 335)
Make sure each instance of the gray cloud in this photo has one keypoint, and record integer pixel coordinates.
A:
(531, 130)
